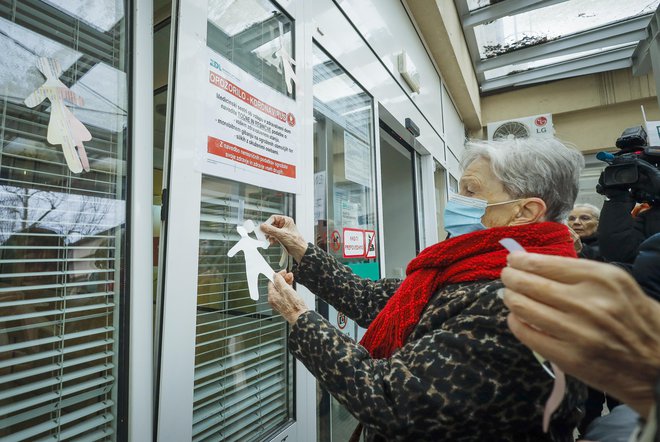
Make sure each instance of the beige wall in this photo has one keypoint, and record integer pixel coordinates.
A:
(589, 111)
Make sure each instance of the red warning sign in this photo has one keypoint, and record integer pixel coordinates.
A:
(370, 240)
(335, 241)
(342, 320)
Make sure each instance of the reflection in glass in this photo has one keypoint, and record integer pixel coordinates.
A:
(248, 33)
(440, 184)
(344, 196)
(243, 370)
(62, 235)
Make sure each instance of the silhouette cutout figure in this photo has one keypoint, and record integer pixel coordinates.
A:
(255, 263)
(63, 128)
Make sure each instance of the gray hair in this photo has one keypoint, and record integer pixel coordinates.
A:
(595, 211)
(545, 168)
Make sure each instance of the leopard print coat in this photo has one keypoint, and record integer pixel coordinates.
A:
(461, 375)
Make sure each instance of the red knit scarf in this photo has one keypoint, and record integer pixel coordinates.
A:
(474, 256)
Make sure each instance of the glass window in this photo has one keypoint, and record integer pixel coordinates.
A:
(243, 370)
(249, 33)
(345, 206)
(477, 4)
(63, 124)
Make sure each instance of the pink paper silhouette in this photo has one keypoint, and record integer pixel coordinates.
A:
(63, 128)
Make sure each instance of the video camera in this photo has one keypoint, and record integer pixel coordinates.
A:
(635, 168)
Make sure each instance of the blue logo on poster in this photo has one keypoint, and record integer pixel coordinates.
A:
(215, 65)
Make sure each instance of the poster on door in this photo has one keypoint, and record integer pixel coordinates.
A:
(357, 160)
(251, 129)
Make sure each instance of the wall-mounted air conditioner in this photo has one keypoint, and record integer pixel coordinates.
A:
(527, 127)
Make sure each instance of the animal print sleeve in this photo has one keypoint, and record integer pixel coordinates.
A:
(460, 382)
(359, 299)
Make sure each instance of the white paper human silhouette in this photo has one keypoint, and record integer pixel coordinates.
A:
(63, 128)
(255, 263)
(287, 62)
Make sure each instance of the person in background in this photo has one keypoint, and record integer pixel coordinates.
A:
(437, 361)
(594, 322)
(624, 225)
(583, 220)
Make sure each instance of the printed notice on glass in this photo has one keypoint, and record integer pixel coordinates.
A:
(357, 160)
(251, 129)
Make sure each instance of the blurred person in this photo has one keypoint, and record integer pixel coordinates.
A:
(646, 268)
(623, 227)
(583, 220)
(593, 321)
(437, 361)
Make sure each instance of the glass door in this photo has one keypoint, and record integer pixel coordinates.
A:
(224, 370)
(344, 201)
(402, 210)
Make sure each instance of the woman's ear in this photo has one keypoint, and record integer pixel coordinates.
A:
(530, 210)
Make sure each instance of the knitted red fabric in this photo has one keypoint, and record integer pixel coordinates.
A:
(474, 256)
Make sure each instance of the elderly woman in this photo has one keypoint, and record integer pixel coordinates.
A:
(583, 219)
(438, 361)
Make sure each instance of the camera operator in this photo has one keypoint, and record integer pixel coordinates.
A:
(632, 177)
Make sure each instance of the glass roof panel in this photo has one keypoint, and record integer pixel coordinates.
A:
(539, 25)
(476, 4)
(516, 68)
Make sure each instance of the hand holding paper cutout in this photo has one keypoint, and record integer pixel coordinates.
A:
(283, 229)
(255, 263)
(589, 318)
(284, 299)
(63, 127)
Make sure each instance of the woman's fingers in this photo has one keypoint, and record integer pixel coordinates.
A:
(288, 276)
(556, 268)
(540, 316)
(550, 347)
(539, 288)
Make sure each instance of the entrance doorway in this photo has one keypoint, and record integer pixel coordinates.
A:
(399, 164)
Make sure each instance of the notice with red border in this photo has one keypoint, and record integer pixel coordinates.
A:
(251, 129)
(353, 243)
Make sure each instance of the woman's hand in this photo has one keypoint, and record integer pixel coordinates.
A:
(589, 318)
(284, 299)
(577, 242)
(283, 229)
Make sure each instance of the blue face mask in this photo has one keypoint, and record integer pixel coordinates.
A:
(463, 214)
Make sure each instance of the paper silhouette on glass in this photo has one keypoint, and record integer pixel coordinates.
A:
(255, 263)
(63, 128)
(287, 62)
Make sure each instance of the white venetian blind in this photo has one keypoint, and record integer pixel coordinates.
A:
(243, 371)
(61, 234)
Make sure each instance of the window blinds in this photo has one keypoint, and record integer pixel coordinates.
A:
(243, 371)
(61, 234)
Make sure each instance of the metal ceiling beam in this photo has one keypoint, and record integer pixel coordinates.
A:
(470, 39)
(642, 55)
(614, 59)
(487, 14)
(628, 31)
(624, 63)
